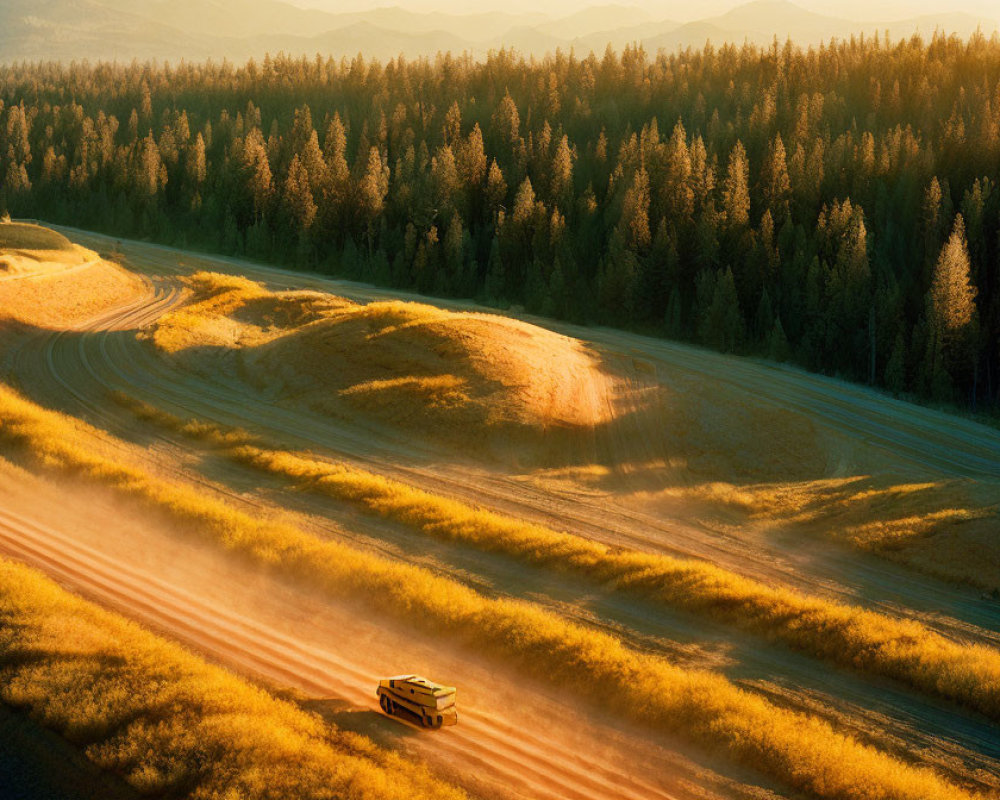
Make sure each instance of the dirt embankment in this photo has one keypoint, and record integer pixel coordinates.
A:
(475, 378)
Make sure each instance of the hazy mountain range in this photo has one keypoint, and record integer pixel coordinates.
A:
(239, 29)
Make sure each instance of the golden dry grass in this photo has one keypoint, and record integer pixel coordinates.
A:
(42, 283)
(166, 721)
(804, 752)
(33, 250)
(848, 635)
(401, 363)
(25, 236)
(939, 527)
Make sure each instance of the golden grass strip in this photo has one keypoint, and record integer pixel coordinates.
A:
(850, 636)
(803, 751)
(166, 721)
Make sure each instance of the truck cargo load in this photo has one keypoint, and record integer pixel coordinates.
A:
(433, 704)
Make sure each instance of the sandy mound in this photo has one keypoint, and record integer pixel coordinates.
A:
(448, 374)
(32, 250)
(24, 236)
(47, 281)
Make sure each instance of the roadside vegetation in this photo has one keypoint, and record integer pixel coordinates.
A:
(944, 527)
(802, 751)
(41, 280)
(27, 250)
(167, 722)
(850, 636)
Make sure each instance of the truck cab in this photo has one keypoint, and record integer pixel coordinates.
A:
(411, 695)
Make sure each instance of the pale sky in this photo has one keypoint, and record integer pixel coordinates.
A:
(681, 10)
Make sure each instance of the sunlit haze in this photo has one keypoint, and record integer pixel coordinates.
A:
(877, 11)
(509, 400)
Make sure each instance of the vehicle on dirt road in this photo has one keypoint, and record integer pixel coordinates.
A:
(410, 695)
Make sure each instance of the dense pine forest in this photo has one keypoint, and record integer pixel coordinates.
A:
(836, 207)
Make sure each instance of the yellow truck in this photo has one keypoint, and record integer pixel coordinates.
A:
(431, 703)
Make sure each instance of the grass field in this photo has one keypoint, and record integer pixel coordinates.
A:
(847, 635)
(450, 375)
(42, 284)
(799, 750)
(24, 236)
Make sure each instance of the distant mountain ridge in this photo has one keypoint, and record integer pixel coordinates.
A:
(240, 29)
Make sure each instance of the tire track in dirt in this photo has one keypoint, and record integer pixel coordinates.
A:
(104, 359)
(484, 743)
(116, 362)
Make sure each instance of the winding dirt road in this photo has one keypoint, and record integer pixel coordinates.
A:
(515, 739)
(78, 370)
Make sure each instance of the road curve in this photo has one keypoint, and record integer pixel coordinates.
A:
(77, 370)
(108, 357)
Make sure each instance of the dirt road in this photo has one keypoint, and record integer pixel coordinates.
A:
(515, 740)
(79, 370)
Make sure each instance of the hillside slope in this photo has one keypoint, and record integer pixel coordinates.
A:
(469, 377)
(47, 281)
(241, 29)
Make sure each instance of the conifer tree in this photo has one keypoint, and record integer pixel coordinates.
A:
(471, 158)
(562, 172)
(778, 349)
(149, 171)
(335, 154)
(445, 179)
(524, 203)
(298, 198)
(952, 296)
(722, 324)
(496, 190)
(736, 188)
(951, 311)
(257, 169)
(775, 183)
(196, 171)
(507, 120)
(634, 223)
(372, 189)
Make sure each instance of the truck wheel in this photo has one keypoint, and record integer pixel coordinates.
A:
(382, 702)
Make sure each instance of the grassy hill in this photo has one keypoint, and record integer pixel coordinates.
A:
(404, 364)
(21, 236)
